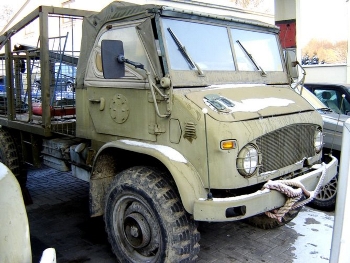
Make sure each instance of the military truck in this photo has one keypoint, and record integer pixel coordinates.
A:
(178, 117)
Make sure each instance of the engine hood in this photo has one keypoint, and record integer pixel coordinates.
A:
(241, 102)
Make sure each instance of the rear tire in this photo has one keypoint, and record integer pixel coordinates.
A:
(145, 220)
(10, 156)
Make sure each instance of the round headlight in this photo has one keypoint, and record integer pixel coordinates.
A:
(247, 160)
(318, 140)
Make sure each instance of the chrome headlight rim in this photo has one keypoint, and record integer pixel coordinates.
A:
(248, 160)
(318, 140)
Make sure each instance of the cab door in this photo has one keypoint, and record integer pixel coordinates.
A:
(121, 106)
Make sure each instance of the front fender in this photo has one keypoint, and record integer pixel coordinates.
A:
(187, 179)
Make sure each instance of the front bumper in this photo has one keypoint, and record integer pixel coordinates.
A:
(239, 207)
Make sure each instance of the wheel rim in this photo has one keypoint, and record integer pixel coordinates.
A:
(328, 191)
(136, 229)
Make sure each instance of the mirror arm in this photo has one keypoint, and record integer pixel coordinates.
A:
(153, 87)
(122, 59)
(302, 80)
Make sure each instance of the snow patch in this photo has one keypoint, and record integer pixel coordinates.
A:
(248, 105)
(165, 150)
(315, 230)
(226, 86)
(254, 105)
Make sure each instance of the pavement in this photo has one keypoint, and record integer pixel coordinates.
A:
(59, 218)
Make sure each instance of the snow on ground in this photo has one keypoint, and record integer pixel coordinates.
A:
(315, 229)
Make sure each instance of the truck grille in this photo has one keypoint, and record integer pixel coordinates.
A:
(286, 146)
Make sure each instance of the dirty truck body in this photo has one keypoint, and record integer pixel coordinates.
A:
(178, 117)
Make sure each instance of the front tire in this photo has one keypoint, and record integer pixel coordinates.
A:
(265, 222)
(145, 220)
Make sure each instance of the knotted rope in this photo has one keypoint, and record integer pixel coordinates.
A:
(294, 195)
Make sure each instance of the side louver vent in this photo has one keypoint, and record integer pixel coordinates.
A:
(190, 131)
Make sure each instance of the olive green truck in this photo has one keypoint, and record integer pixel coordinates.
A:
(174, 117)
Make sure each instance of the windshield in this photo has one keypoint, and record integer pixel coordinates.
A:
(261, 46)
(214, 47)
(201, 43)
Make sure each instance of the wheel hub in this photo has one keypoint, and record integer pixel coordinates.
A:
(329, 190)
(137, 231)
(136, 228)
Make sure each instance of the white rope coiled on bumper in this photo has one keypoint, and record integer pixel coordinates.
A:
(293, 194)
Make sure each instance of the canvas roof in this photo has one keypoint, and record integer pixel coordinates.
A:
(91, 26)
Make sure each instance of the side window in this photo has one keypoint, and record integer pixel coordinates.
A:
(133, 49)
(346, 106)
(331, 98)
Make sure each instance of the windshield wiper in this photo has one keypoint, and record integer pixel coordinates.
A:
(263, 73)
(325, 109)
(184, 53)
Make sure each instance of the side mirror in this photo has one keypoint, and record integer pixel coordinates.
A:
(113, 68)
(290, 58)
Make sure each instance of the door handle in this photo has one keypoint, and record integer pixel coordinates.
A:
(101, 101)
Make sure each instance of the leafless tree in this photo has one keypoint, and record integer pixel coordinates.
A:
(330, 52)
(6, 13)
(247, 3)
(254, 5)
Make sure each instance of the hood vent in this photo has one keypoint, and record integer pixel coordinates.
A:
(218, 102)
(190, 131)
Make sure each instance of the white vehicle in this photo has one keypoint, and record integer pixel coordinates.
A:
(333, 127)
(15, 244)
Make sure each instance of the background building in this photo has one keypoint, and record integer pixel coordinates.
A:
(304, 21)
(294, 17)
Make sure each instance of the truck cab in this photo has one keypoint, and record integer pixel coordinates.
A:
(182, 117)
(232, 69)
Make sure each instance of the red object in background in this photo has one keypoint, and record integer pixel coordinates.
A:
(55, 111)
(287, 33)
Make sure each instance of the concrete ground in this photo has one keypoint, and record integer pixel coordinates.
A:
(59, 218)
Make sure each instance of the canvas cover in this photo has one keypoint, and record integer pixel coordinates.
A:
(122, 11)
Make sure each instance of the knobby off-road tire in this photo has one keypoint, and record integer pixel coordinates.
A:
(265, 222)
(10, 156)
(326, 198)
(145, 220)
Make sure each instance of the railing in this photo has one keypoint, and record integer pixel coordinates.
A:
(37, 91)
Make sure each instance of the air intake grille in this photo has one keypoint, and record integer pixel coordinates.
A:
(286, 146)
(190, 131)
